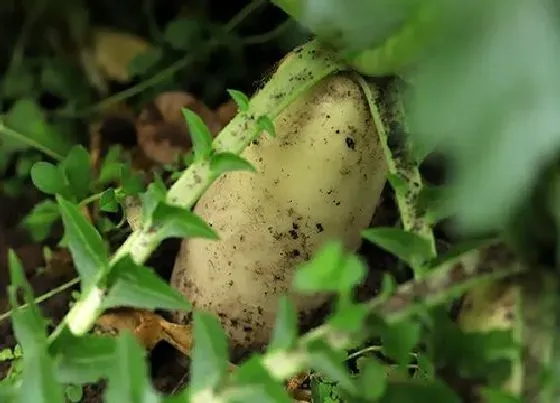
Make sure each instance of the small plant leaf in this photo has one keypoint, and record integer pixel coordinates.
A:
(153, 196)
(108, 201)
(200, 135)
(83, 359)
(40, 220)
(241, 100)
(128, 375)
(78, 171)
(178, 222)
(407, 246)
(18, 82)
(285, 329)
(143, 62)
(399, 339)
(38, 383)
(183, 33)
(48, 178)
(372, 380)
(138, 286)
(228, 162)
(258, 385)
(266, 124)
(27, 127)
(74, 393)
(86, 245)
(330, 270)
(331, 363)
(210, 352)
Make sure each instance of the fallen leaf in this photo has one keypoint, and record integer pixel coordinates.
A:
(113, 51)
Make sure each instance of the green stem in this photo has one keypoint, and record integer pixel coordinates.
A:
(298, 72)
(32, 143)
(451, 279)
(388, 114)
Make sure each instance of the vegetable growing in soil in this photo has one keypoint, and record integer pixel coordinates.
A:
(319, 179)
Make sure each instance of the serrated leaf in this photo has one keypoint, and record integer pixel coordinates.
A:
(128, 376)
(78, 171)
(138, 286)
(241, 100)
(228, 162)
(209, 358)
(329, 270)
(86, 245)
(38, 383)
(329, 362)
(285, 329)
(178, 222)
(266, 124)
(183, 33)
(200, 135)
(407, 246)
(48, 178)
(143, 62)
(27, 127)
(39, 221)
(83, 359)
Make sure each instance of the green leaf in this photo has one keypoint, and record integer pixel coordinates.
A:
(86, 245)
(138, 286)
(82, 359)
(257, 384)
(183, 33)
(329, 362)
(285, 329)
(26, 126)
(38, 383)
(40, 220)
(372, 380)
(25, 163)
(349, 317)
(128, 376)
(266, 124)
(476, 118)
(74, 393)
(200, 135)
(329, 270)
(399, 339)
(108, 201)
(78, 171)
(209, 358)
(423, 392)
(407, 246)
(241, 100)
(153, 196)
(48, 178)
(18, 82)
(178, 222)
(228, 162)
(324, 392)
(145, 61)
